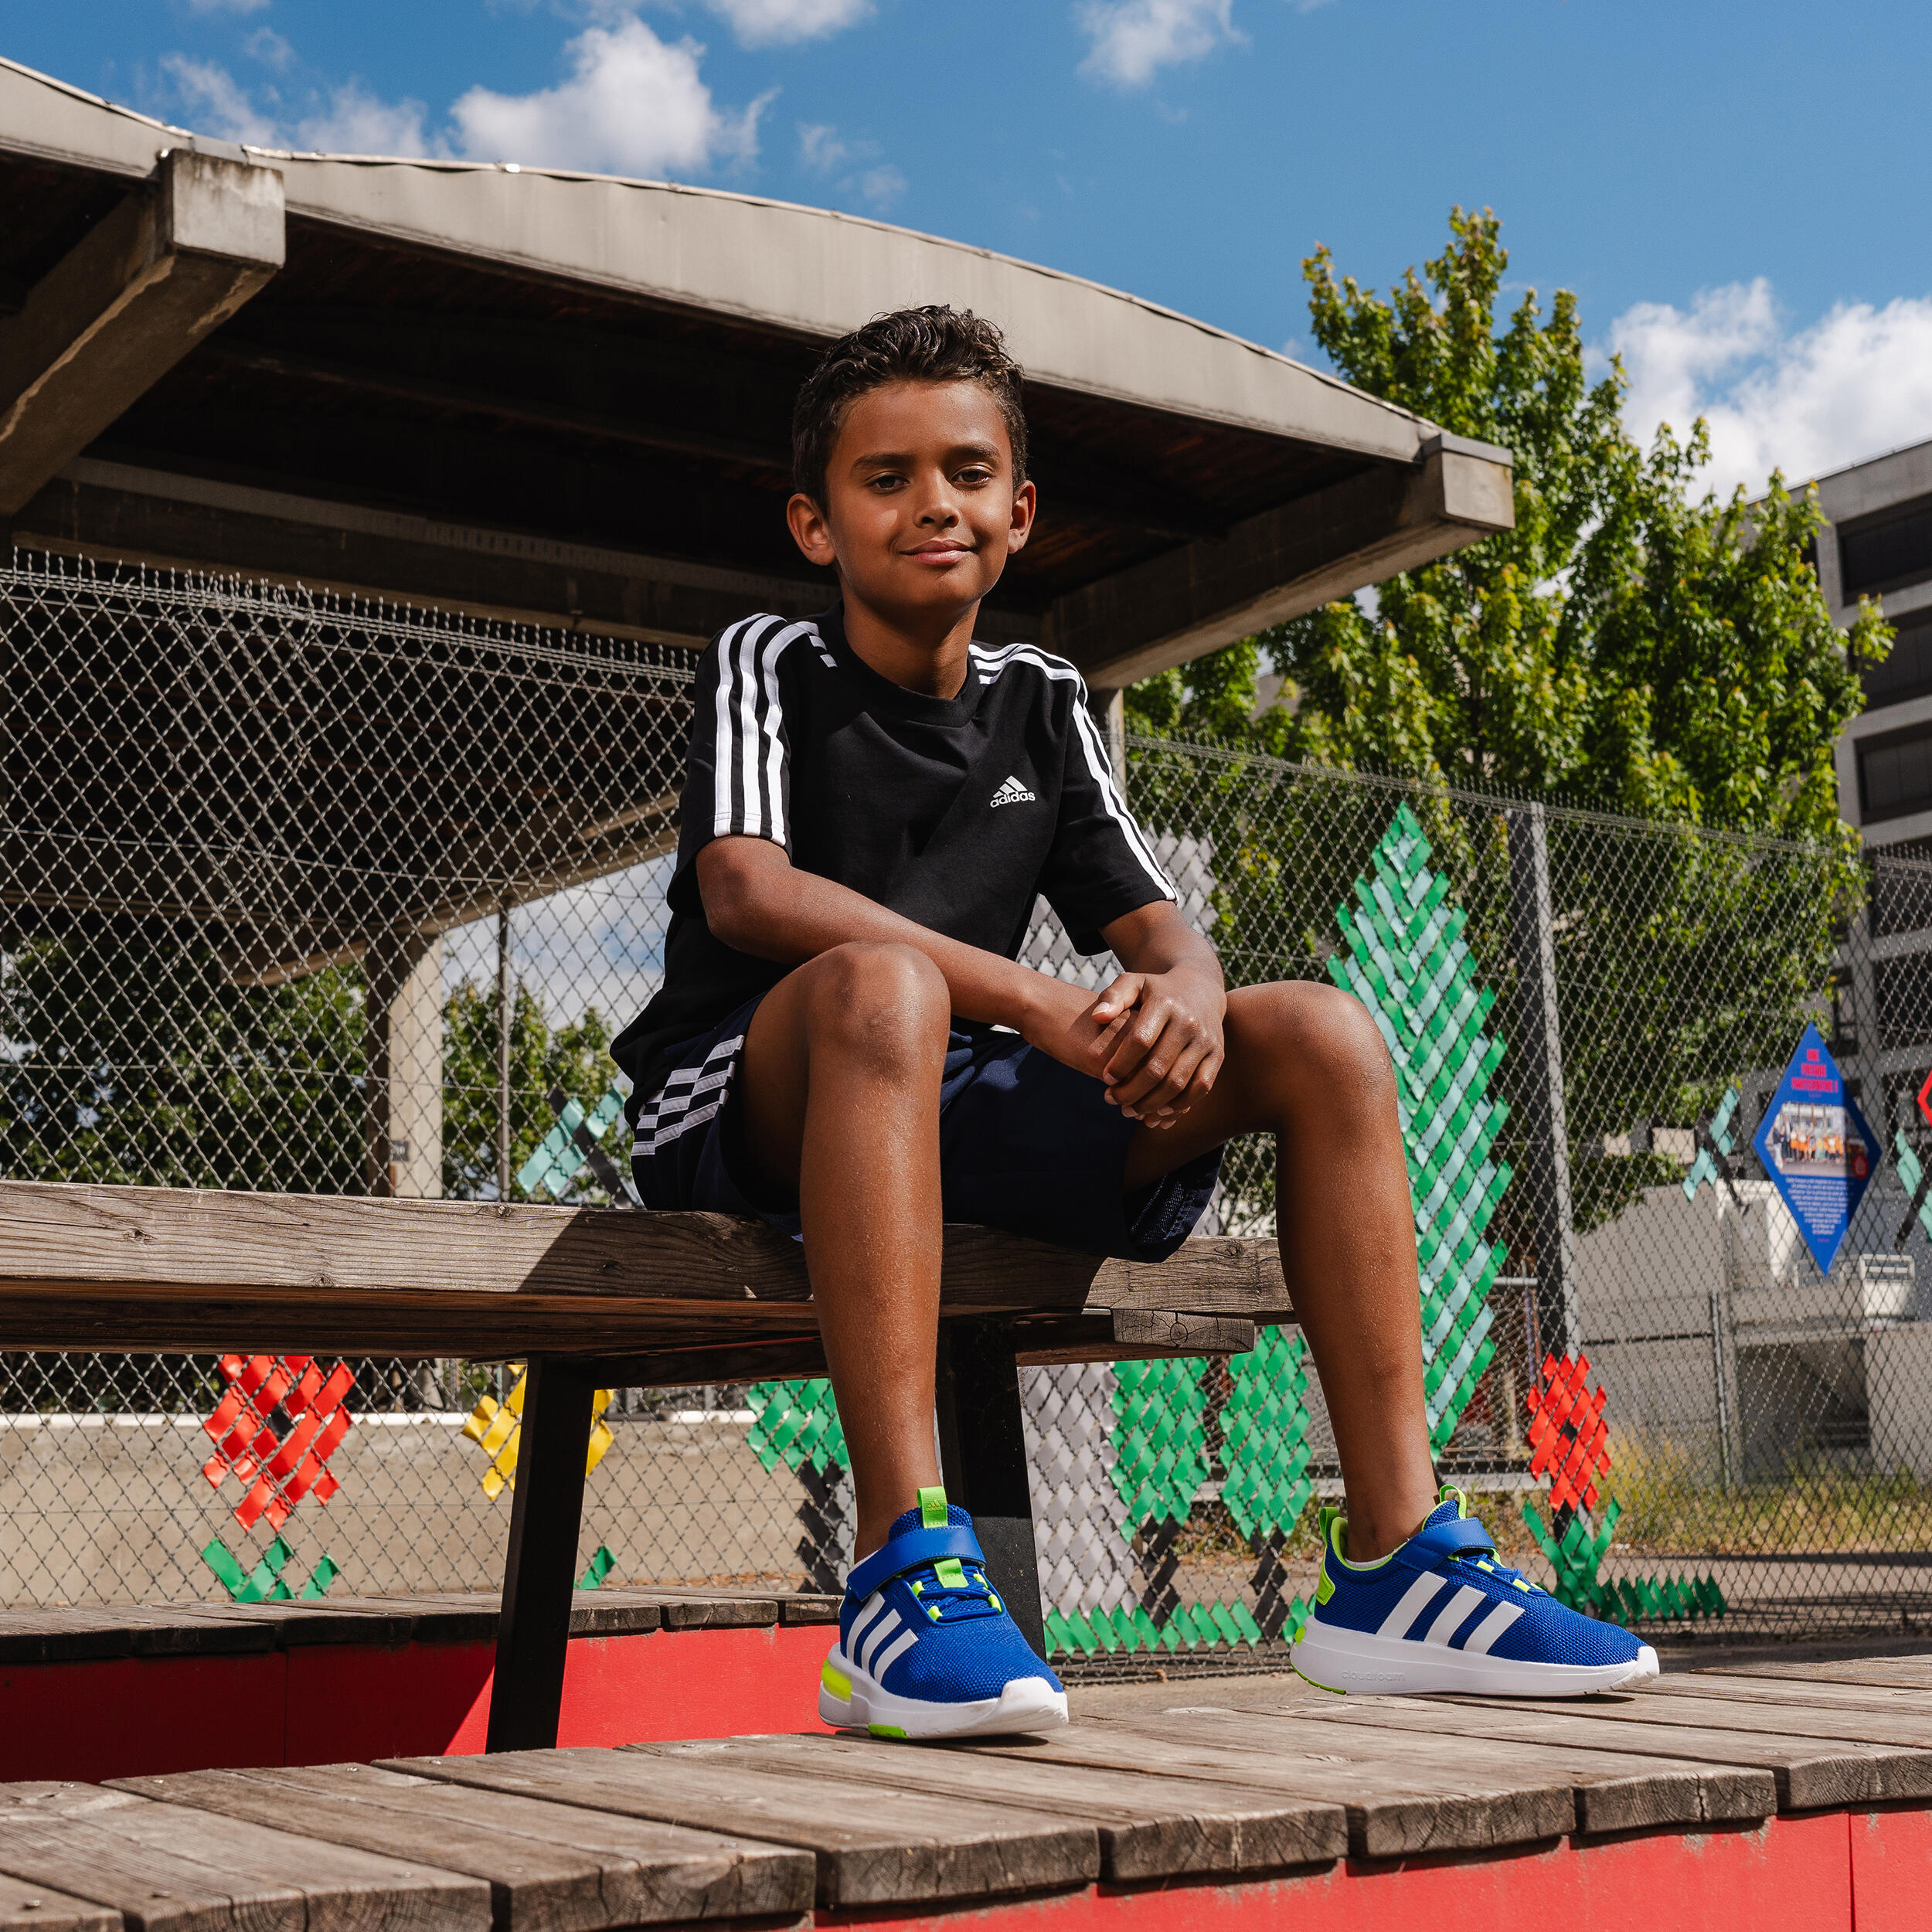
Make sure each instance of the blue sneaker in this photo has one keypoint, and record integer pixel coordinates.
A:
(1441, 1613)
(926, 1649)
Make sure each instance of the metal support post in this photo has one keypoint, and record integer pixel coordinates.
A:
(1109, 710)
(539, 1573)
(982, 1452)
(1538, 1082)
(503, 1018)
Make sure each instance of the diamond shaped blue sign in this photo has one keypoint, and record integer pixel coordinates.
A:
(1817, 1149)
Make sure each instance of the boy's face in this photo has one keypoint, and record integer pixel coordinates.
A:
(920, 512)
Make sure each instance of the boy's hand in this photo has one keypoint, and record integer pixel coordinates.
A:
(1060, 1020)
(1163, 1043)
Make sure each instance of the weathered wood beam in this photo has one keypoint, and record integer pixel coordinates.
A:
(180, 1270)
(1283, 563)
(173, 262)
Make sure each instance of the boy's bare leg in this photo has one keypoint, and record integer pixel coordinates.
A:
(1305, 1062)
(840, 1076)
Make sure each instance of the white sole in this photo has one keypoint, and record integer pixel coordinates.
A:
(1359, 1662)
(1026, 1704)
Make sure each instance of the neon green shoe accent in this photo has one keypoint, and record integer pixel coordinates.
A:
(948, 1571)
(1337, 1526)
(932, 1509)
(886, 1730)
(1449, 1493)
(1325, 1586)
(836, 1682)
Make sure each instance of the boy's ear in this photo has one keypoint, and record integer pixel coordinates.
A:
(810, 531)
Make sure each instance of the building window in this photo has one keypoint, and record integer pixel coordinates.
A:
(1887, 550)
(1907, 672)
(1895, 774)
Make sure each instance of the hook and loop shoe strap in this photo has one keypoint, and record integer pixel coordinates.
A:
(1434, 1541)
(912, 1550)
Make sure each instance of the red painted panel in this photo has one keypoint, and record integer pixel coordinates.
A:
(126, 1716)
(353, 1700)
(434, 1698)
(691, 1683)
(1891, 1870)
(1791, 1876)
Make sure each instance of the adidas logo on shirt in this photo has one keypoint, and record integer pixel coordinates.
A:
(1013, 793)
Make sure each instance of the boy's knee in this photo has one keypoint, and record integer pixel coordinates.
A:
(885, 1003)
(1321, 1032)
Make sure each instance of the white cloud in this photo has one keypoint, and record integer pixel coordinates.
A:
(819, 147)
(213, 104)
(358, 122)
(823, 151)
(1855, 383)
(227, 6)
(267, 46)
(633, 105)
(882, 186)
(768, 23)
(1133, 39)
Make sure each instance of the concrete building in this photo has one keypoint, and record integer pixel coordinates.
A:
(1879, 545)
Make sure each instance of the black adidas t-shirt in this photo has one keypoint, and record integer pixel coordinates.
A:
(955, 812)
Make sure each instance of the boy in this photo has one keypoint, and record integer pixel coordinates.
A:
(845, 1045)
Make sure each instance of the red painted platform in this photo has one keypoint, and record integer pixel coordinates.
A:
(95, 1694)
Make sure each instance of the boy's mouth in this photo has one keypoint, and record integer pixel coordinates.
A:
(941, 550)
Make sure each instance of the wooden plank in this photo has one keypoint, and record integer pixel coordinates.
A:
(1794, 1694)
(26, 1907)
(1150, 1826)
(166, 1868)
(550, 1868)
(1635, 1790)
(172, 1268)
(1813, 1774)
(1909, 1729)
(1625, 1791)
(1900, 1673)
(873, 1847)
(1398, 1802)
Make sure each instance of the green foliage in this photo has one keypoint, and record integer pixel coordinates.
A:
(133, 1066)
(1655, 651)
(575, 1056)
(1631, 643)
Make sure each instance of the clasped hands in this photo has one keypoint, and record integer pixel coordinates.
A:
(1155, 1039)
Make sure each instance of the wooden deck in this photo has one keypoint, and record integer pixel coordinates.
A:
(1768, 1795)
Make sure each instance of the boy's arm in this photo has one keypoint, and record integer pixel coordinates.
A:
(1163, 1014)
(757, 900)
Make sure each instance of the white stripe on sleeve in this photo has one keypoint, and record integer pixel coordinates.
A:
(724, 751)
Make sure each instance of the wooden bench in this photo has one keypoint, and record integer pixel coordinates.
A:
(594, 1297)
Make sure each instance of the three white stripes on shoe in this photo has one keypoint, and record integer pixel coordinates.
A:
(871, 1644)
(1405, 1619)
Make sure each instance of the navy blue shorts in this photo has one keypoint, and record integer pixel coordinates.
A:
(1025, 1144)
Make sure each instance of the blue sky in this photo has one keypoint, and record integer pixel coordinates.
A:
(1739, 194)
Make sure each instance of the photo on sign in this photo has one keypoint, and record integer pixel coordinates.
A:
(1820, 1142)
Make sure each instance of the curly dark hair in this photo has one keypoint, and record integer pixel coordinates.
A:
(936, 344)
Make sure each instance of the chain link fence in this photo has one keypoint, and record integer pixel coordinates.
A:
(302, 894)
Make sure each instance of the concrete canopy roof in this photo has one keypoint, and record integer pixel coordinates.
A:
(547, 395)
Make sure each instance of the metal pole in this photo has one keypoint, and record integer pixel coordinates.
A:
(1539, 1058)
(503, 1052)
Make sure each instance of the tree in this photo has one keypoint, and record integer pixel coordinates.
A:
(129, 1062)
(1630, 644)
(575, 1056)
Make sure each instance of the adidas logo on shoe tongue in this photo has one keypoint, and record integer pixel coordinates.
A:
(1013, 793)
